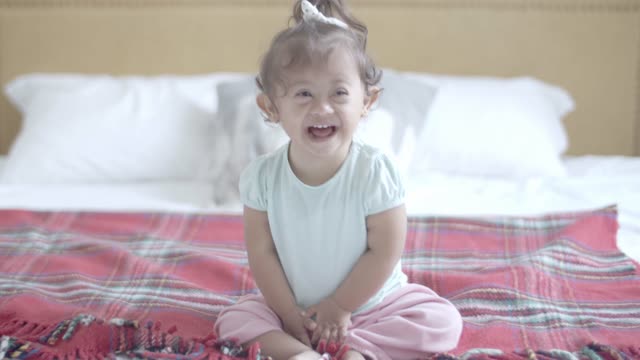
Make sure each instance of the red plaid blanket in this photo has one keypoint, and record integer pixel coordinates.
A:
(90, 284)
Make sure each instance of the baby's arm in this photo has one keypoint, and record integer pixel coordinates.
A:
(268, 274)
(386, 233)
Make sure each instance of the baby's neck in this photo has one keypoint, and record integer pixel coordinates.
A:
(315, 171)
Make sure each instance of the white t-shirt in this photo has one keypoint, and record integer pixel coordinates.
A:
(320, 232)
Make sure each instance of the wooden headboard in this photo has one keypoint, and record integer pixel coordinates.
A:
(590, 47)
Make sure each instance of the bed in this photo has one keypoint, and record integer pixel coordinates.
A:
(125, 125)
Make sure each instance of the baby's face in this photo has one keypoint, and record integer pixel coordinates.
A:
(322, 105)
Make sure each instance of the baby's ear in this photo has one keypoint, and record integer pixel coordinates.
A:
(267, 107)
(371, 97)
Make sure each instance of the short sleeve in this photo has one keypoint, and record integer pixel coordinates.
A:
(253, 187)
(385, 188)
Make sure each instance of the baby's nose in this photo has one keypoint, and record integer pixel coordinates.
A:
(322, 107)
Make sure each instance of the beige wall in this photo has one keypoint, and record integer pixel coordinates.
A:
(589, 47)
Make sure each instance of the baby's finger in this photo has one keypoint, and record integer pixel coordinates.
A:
(308, 312)
(326, 333)
(309, 324)
(322, 347)
(304, 338)
(333, 336)
(342, 334)
(316, 334)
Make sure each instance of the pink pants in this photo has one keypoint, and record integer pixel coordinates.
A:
(410, 323)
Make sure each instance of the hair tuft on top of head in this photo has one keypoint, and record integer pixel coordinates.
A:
(335, 9)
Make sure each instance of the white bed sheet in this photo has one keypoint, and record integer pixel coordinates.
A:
(593, 181)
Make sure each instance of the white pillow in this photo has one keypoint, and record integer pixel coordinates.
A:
(100, 128)
(398, 116)
(248, 133)
(3, 160)
(380, 128)
(494, 127)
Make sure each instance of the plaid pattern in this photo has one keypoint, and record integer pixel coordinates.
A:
(522, 284)
(548, 282)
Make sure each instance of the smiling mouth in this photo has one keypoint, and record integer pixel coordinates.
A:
(321, 131)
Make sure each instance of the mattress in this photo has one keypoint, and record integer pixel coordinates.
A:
(593, 181)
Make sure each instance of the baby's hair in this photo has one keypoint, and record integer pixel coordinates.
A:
(310, 40)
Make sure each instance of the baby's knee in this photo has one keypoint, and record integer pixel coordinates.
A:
(445, 324)
(246, 320)
(444, 314)
(455, 325)
(456, 317)
(227, 321)
(436, 323)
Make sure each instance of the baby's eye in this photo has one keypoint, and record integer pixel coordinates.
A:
(342, 92)
(303, 93)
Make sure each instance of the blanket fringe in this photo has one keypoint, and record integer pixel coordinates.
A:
(592, 351)
(77, 338)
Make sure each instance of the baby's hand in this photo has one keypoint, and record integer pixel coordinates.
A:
(331, 322)
(293, 323)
